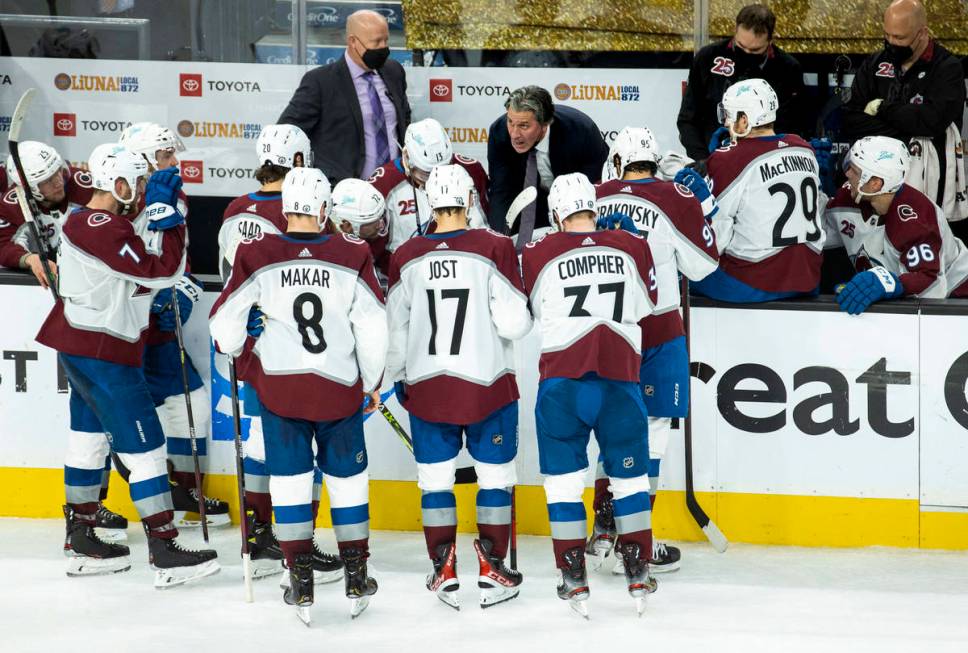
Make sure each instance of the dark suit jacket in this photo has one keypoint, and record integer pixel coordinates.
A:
(326, 107)
(575, 145)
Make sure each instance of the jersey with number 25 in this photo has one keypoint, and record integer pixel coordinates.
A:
(325, 336)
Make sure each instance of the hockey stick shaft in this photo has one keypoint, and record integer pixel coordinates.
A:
(462, 475)
(191, 418)
(25, 197)
(709, 528)
(240, 478)
(513, 556)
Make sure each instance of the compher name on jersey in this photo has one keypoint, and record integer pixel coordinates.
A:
(591, 264)
(304, 276)
(792, 163)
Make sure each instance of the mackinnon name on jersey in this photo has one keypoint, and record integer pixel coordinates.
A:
(591, 264)
(792, 163)
(307, 276)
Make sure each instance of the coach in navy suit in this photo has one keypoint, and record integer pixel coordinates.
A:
(536, 141)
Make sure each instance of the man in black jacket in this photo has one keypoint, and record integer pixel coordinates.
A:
(535, 141)
(750, 54)
(912, 87)
(354, 110)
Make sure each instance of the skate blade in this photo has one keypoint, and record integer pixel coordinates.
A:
(596, 553)
(580, 606)
(168, 578)
(78, 566)
(619, 568)
(324, 577)
(640, 603)
(112, 534)
(186, 519)
(302, 611)
(494, 594)
(266, 568)
(664, 569)
(357, 606)
(449, 597)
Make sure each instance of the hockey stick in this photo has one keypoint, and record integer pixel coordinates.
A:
(462, 476)
(25, 198)
(524, 198)
(240, 477)
(513, 557)
(708, 526)
(191, 418)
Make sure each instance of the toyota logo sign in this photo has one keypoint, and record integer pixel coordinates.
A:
(65, 124)
(190, 84)
(441, 90)
(191, 172)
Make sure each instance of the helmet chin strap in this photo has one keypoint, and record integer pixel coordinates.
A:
(126, 203)
(737, 135)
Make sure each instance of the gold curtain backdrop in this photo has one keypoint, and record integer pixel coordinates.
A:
(816, 26)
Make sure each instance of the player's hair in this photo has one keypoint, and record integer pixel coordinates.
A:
(757, 18)
(269, 173)
(534, 99)
(450, 211)
(642, 166)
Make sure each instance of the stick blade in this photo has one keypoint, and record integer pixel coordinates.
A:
(715, 537)
(20, 114)
(523, 198)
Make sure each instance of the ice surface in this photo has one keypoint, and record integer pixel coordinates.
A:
(752, 598)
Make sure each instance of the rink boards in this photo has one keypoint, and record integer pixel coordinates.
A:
(810, 427)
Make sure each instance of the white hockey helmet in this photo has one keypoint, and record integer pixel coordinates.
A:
(279, 144)
(306, 191)
(634, 145)
(40, 162)
(878, 156)
(426, 145)
(449, 186)
(754, 98)
(146, 138)
(360, 204)
(112, 161)
(569, 194)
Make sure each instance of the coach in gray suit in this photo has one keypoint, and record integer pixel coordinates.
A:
(354, 110)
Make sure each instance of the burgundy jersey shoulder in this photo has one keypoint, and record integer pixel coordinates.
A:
(386, 178)
(727, 163)
(96, 231)
(912, 218)
(269, 208)
(80, 186)
(473, 167)
(10, 208)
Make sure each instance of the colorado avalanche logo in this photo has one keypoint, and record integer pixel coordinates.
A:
(376, 175)
(252, 238)
(83, 179)
(905, 212)
(683, 190)
(464, 159)
(10, 197)
(98, 219)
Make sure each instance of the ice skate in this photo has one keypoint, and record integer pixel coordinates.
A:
(87, 554)
(443, 580)
(327, 568)
(300, 587)
(496, 582)
(641, 583)
(174, 565)
(267, 558)
(359, 586)
(111, 527)
(573, 584)
(602, 541)
(185, 501)
(665, 558)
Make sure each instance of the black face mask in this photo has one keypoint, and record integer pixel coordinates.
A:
(375, 58)
(747, 60)
(897, 54)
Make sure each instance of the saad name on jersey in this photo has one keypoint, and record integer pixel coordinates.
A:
(640, 213)
(309, 275)
(790, 163)
(591, 264)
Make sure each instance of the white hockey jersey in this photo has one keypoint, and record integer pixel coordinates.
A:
(455, 304)
(768, 226)
(248, 216)
(108, 274)
(325, 338)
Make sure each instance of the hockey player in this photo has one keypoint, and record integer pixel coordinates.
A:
(402, 182)
(107, 276)
(897, 238)
(767, 186)
(162, 360)
(454, 306)
(680, 240)
(57, 189)
(311, 369)
(359, 209)
(280, 148)
(589, 290)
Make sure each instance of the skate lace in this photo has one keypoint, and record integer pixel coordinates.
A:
(328, 557)
(209, 502)
(659, 550)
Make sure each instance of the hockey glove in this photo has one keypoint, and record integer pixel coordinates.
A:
(720, 138)
(162, 217)
(256, 323)
(868, 287)
(163, 187)
(617, 221)
(187, 292)
(825, 164)
(694, 182)
(698, 166)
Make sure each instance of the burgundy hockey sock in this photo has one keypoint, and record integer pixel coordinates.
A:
(498, 534)
(601, 492)
(292, 548)
(161, 526)
(563, 546)
(355, 545)
(184, 479)
(642, 538)
(84, 512)
(260, 504)
(437, 535)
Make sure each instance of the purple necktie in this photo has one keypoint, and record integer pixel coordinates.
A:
(379, 121)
